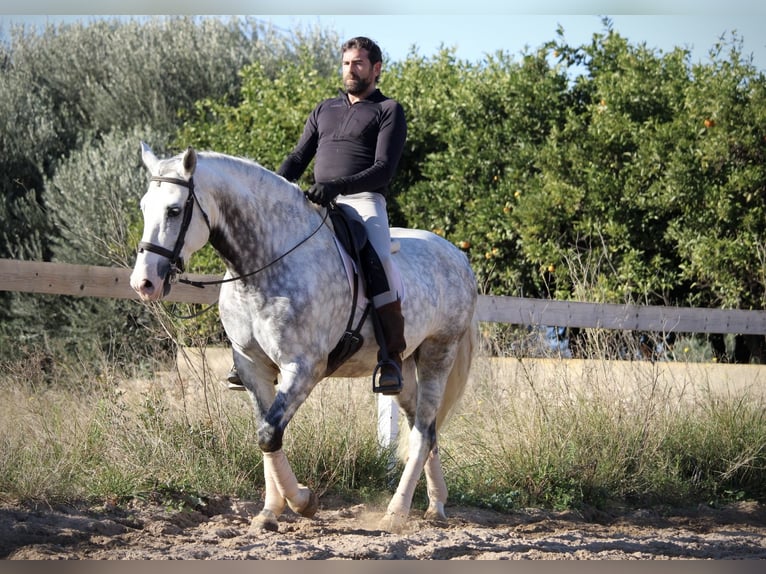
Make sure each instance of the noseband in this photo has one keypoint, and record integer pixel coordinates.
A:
(176, 262)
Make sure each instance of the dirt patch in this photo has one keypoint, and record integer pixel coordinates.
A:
(221, 530)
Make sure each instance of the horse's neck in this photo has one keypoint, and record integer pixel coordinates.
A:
(260, 218)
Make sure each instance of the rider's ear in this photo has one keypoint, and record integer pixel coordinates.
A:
(189, 161)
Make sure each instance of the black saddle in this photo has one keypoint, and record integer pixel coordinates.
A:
(353, 237)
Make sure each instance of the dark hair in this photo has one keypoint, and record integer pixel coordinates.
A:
(363, 43)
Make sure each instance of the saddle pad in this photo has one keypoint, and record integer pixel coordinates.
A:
(351, 275)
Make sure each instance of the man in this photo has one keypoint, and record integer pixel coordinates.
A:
(356, 140)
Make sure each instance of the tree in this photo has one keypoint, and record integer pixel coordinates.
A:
(69, 96)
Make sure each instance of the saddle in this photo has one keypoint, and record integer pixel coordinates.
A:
(352, 236)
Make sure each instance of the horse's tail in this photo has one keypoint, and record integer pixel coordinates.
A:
(458, 376)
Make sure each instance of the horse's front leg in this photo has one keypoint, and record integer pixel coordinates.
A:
(436, 488)
(282, 486)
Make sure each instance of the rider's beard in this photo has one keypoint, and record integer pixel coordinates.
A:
(356, 86)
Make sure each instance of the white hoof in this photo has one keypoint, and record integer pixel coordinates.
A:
(393, 522)
(265, 521)
(309, 508)
(435, 514)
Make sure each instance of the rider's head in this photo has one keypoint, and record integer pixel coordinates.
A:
(370, 47)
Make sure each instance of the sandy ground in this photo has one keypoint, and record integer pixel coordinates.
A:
(343, 531)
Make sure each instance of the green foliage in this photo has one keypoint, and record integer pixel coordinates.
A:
(473, 132)
(268, 117)
(658, 180)
(68, 86)
(604, 172)
(74, 102)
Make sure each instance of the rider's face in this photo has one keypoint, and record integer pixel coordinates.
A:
(358, 72)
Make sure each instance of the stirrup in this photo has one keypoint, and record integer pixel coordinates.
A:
(233, 382)
(386, 389)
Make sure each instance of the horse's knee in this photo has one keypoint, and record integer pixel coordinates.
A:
(270, 438)
(272, 429)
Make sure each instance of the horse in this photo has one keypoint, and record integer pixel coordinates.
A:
(283, 302)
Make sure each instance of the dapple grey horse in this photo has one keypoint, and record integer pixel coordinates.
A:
(285, 302)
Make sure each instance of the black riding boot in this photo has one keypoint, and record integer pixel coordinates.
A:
(391, 324)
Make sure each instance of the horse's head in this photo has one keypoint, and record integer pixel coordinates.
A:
(175, 225)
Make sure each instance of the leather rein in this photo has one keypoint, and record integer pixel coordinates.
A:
(174, 256)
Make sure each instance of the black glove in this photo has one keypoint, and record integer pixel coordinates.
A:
(324, 193)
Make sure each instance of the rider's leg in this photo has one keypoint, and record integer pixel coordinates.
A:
(392, 326)
(371, 209)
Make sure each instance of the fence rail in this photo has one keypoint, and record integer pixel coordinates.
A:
(88, 281)
(94, 281)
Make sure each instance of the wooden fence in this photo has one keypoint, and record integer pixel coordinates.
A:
(91, 281)
(86, 280)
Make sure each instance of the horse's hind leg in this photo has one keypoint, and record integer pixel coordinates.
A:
(436, 488)
(434, 364)
(399, 507)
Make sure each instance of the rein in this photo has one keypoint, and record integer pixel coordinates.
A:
(201, 284)
(177, 264)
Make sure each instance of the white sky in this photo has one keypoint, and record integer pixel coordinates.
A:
(474, 28)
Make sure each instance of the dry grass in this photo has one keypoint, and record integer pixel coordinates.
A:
(528, 432)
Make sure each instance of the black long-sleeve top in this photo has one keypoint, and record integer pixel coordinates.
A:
(357, 145)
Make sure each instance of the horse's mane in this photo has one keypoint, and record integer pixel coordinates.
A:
(231, 159)
(249, 168)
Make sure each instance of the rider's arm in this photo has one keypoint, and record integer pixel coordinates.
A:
(299, 158)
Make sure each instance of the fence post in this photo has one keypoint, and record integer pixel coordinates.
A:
(388, 426)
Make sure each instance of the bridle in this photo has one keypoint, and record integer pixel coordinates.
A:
(177, 263)
(174, 256)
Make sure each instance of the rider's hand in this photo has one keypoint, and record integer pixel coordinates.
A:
(324, 193)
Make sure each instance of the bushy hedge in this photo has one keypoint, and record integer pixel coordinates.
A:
(603, 172)
(75, 100)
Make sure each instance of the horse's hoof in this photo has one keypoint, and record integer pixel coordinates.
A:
(435, 514)
(311, 506)
(393, 523)
(265, 521)
(436, 518)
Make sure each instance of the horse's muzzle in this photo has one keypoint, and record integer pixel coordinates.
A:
(153, 284)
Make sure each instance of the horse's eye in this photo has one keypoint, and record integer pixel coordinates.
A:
(174, 211)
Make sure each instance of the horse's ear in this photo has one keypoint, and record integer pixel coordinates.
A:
(147, 156)
(189, 161)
